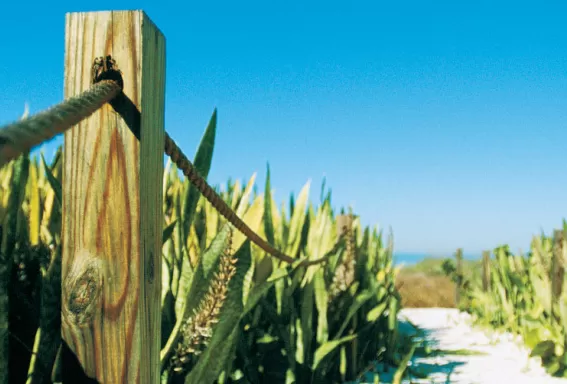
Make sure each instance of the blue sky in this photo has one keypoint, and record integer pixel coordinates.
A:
(447, 122)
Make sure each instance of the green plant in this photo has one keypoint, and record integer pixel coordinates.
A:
(520, 301)
(230, 312)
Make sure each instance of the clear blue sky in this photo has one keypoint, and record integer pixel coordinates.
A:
(447, 121)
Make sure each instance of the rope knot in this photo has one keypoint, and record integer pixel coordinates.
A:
(104, 68)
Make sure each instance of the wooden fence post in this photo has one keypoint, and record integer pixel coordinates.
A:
(557, 266)
(459, 267)
(112, 201)
(486, 271)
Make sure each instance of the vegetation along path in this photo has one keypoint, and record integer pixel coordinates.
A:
(461, 353)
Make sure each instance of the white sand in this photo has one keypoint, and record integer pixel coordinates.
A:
(505, 360)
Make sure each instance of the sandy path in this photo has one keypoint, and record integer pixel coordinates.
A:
(502, 361)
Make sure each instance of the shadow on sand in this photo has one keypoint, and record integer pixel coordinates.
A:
(428, 365)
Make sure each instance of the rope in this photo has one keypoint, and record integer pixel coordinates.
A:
(21, 136)
(183, 163)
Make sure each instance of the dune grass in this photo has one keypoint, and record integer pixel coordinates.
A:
(425, 284)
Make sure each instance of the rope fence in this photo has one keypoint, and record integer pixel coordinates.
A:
(21, 136)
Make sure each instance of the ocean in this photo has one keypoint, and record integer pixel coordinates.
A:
(410, 258)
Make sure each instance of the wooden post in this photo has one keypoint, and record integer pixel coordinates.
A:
(557, 266)
(112, 203)
(486, 271)
(459, 258)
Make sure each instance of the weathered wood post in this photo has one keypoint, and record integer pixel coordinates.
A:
(112, 203)
(486, 271)
(459, 270)
(557, 266)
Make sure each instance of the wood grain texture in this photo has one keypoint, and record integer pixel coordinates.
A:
(112, 203)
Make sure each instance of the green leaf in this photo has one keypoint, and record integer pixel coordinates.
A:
(553, 368)
(34, 214)
(393, 313)
(182, 269)
(53, 182)
(376, 312)
(321, 302)
(245, 198)
(253, 217)
(397, 379)
(259, 290)
(307, 311)
(202, 164)
(168, 231)
(359, 301)
(544, 349)
(321, 196)
(297, 221)
(328, 347)
(268, 222)
(299, 347)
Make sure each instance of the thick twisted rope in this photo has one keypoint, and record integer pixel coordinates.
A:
(21, 136)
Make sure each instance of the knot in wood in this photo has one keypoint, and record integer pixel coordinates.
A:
(104, 68)
(84, 287)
